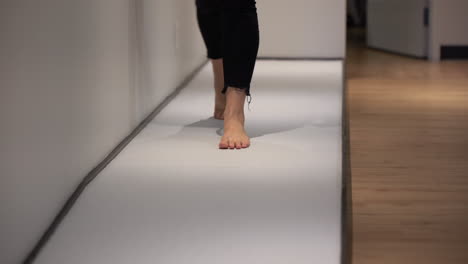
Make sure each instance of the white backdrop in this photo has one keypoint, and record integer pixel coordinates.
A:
(74, 81)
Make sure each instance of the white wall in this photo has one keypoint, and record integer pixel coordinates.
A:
(397, 25)
(171, 48)
(68, 95)
(302, 28)
(449, 24)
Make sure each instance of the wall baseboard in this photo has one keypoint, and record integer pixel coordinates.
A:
(449, 52)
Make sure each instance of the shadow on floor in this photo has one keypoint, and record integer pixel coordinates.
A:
(253, 130)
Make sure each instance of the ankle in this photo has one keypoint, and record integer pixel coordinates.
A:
(234, 110)
(230, 117)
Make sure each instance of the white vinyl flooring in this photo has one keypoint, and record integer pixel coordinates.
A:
(172, 197)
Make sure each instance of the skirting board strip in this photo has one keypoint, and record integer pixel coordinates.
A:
(453, 52)
(346, 192)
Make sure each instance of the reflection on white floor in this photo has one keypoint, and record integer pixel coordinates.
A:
(172, 197)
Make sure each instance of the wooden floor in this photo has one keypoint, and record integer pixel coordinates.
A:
(409, 157)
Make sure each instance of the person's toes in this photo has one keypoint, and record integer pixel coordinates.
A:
(238, 144)
(245, 144)
(231, 144)
(223, 144)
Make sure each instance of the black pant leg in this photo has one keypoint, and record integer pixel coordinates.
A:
(230, 31)
(209, 17)
(241, 42)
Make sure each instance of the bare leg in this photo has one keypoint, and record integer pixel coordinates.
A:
(234, 133)
(220, 99)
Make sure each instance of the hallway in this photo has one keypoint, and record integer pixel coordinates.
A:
(409, 149)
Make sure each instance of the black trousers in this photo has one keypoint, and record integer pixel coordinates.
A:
(230, 31)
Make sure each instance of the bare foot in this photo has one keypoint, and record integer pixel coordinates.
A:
(234, 136)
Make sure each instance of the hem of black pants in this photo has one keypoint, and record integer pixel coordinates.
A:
(214, 57)
(246, 89)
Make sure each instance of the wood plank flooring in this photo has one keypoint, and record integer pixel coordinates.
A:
(409, 157)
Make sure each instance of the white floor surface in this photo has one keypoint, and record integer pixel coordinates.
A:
(172, 197)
